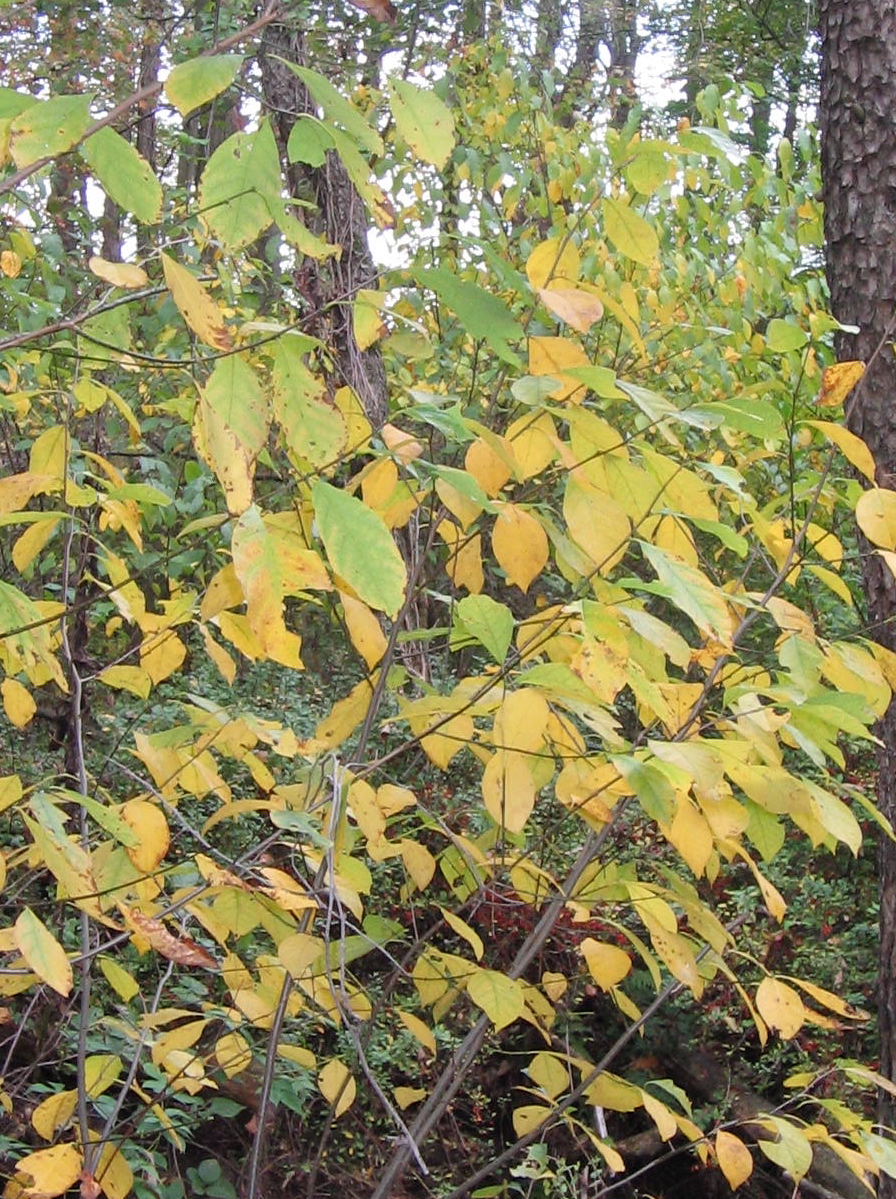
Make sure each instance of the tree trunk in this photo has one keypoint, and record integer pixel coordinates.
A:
(858, 99)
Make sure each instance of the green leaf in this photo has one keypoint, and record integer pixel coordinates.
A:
(240, 183)
(758, 418)
(308, 142)
(360, 548)
(690, 591)
(500, 997)
(48, 128)
(313, 430)
(193, 83)
(480, 618)
(480, 313)
(423, 120)
(125, 176)
(13, 102)
(338, 109)
(43, 953)
(783, 336)
(629, 232)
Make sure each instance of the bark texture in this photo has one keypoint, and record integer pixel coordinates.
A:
(858, 102)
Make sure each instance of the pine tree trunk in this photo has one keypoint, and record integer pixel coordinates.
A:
(858, 100)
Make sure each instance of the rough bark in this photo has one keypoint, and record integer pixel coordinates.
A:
(330, 287)
(858, 100)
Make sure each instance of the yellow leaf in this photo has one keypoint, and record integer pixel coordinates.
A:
(735, 1159)
(554, 259)
(406, 1096)
(529, 1117)
(452, 736)
(533, 440)
(665, 1121)
(17, 702)
(46, 1173)
(127, 678)
(419, 863)
(43, 953)
(464, 564)
(344, 717)
(508, 790)
(490, 469)
(461, 507)
(596, 522)
(113, 1173)
(554, 356)
(520, 545)
(218, 655)
(405, 447)
(629, 232)
(876, 516)
(838, 381)
(367, 322)
(53, 1114)
(149, 823)
(780, 1007)
(607, 964)
(579, 309)
(853, 449)
(691, 835)
(364, 630)
(196, 306)
(463, 930)
(101, 1070)
(551, 1073)
(420, 1031)
(337, 1086)
(120, 980)
(119, 274)
(232, 1053)
(162, 653)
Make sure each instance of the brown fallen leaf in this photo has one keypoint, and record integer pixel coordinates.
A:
(181, 950)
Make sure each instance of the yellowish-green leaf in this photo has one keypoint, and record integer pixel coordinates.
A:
(876, 516)
(607, 964)
(120, 980)
(423, 120)
(43, 953)
(734, 1158)
(360, 548)
(240, 188)
(500, 997)
(190, 84)
(124, 175)
(48, 128)
(629, 232)
(337, 1086)
(793, 1149)
(780, 1007)
(692, 592)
